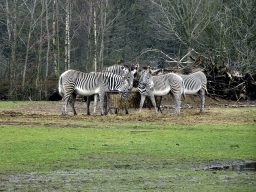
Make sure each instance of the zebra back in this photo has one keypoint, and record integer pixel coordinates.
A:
(121, 70)
(90, 81)
(194, 82)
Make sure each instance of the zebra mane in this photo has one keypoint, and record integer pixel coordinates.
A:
(145, 68)
(117, 66)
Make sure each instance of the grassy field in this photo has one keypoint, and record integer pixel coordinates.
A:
(107, 155)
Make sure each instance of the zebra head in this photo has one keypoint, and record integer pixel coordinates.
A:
(135, 69)
(125, 87)
(129, 75)
(145, 81)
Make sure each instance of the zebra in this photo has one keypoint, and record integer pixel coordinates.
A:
(123, 70)
(126, 71)
(160, 85)
(73, 83)
(195, 83)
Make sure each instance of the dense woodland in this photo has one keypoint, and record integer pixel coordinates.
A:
(40, 39)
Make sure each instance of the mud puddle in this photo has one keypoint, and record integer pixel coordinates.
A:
(238, 165)
(245, 167)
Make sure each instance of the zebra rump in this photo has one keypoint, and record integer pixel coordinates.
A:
(195, 83)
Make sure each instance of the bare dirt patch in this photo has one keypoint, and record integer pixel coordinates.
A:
(49, 114)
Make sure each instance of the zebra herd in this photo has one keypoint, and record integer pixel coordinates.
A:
(120, 78)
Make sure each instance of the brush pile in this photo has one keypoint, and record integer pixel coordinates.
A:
(222, 81)
(227, 83)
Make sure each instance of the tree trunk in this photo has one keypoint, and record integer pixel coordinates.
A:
(95, 39)
(28, 45)
(40, 47)
(55, 38)
(89, 51)
(67, 36)
(48, 43)
(103, 25)
(10, 46)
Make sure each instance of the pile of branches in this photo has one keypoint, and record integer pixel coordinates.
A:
(226, 83)
(223, 80)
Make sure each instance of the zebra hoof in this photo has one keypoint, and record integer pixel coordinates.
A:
(176, 113)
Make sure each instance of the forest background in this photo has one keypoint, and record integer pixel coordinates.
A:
(40, 39)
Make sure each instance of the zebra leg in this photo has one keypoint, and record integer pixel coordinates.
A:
(142, 99)
(159, 109)
(106, 100)
(125, 103)
(69, 89)
(88, 100)
(72, 102)
(125, 98)
(201, 94)
(177, 103)
(64, 105)
(102, 102)
(154, 103)
(126, 110)
(95, 103)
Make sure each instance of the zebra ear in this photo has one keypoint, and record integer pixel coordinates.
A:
(148, 69)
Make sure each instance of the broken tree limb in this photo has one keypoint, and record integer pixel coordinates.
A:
(213, 97)
(238, 85)
(171, 60)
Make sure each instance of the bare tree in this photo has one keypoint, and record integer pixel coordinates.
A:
(55, 38)
(31, 28)
(233, 31)
(95, 37)
(67, 36)
(183, 20)
(40, 45)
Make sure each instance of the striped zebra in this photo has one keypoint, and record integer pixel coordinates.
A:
(158, 86)
(196, 83)
(73, 83)
(126, 71)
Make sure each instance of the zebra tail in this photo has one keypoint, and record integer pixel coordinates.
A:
(61, 90)
(206, 91)
(183, 90)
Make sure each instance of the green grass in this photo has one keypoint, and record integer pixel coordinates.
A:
(23, 147)
(153, 156)
(6, 104)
